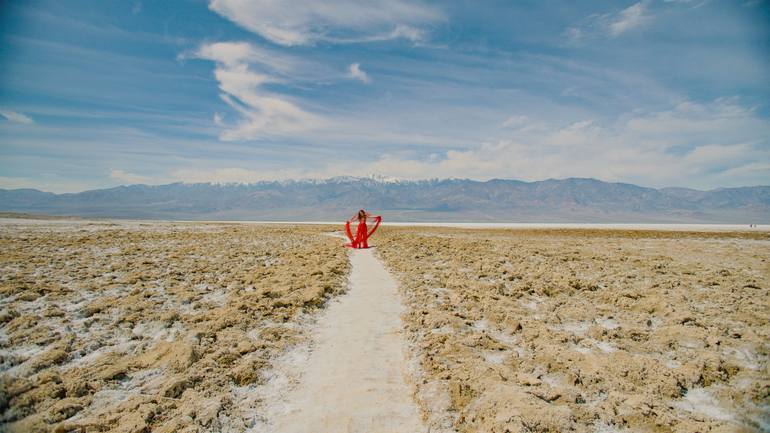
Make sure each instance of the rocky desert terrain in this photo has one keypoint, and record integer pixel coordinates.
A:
(190, 327)
(586, 330)
(137, 327)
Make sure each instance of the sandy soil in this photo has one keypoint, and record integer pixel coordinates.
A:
(353, 380)
(586, 330)
(135, 327)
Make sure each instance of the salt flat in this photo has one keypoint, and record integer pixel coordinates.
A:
(355, 377)
(489, 225)
(466, 225)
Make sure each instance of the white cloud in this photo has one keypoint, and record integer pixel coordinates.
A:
(574, 34)
(307, 21)
(750, 171)
(522, 124)
(612, 24)
(656, 149)
(263, 114)
(407, 32)
(515, 121)
(355, 72)
(235, 175)
(629, 18)
(413, 34)
(722, 121)
(232, 54)
(129, 178)
(700, 145)
(15, 117)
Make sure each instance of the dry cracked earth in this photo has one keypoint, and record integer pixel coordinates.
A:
(166, 327)
(151, 327)
(587, 330)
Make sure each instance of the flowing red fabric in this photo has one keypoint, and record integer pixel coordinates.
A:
(361, 239)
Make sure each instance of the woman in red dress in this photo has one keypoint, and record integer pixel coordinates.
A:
(361, 240)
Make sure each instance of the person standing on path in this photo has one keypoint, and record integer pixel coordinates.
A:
(361, 240)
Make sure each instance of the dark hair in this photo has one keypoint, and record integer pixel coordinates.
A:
(361, 214)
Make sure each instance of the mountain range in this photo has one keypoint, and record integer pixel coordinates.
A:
(450, 200)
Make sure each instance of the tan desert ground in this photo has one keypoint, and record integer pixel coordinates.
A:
(211, 327)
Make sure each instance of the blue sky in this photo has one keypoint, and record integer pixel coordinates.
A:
(96, 94)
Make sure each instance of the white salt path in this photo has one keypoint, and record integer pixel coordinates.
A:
(354, 379)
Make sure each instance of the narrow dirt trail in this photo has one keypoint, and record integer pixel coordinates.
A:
(353, 380)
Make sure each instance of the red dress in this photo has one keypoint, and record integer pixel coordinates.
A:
(361, 240)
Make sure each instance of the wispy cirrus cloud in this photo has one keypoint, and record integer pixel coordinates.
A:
(505, 96)
(129, 178)
(355, 72)
(701, 145)
(719, 143)
(308, 21)
(242, 71)
(630, 18)
(613, 24)
(16, 117)
(237, 53)
(235, 175)
(636, 147)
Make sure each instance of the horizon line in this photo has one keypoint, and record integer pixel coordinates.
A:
(379, 179)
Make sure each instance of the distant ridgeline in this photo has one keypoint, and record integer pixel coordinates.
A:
(568, 200)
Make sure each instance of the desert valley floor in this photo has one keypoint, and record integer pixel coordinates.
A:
(129, 326)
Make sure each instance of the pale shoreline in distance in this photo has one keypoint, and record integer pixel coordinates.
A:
(462, 225)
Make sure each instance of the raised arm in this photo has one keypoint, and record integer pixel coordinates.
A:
(377, 220)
